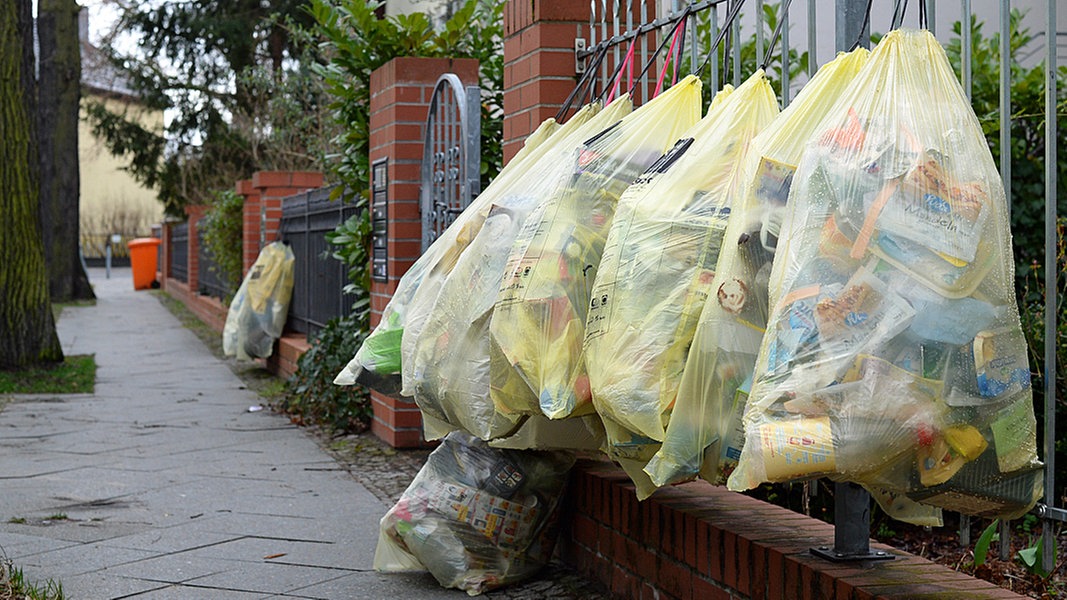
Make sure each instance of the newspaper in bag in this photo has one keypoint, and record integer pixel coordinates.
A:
(893, 355)
(537, 327)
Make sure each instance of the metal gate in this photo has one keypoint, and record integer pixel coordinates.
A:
(451, 155)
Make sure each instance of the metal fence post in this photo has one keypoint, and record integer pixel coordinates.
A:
(852, 503)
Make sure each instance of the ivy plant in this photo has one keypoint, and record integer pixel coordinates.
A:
(223, 227)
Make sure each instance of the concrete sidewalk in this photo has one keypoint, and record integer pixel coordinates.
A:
(170, 487)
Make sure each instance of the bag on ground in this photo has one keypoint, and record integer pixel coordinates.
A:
(476, 517)
(258, 311)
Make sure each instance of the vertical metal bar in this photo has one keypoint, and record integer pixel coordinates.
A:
(813, 64)
(786, 62)
(852, 525)
(1004, 545)
(735, 34)
(694, 61)
(850, 15)
(630, 27)
(1005, 103)
(759, 30)
(965, 530)
(644, 53)
(1051, 271)
(616, 23)
(965, 37)
(592, 21)
(605, 67)
(713, 32)
(931, 16)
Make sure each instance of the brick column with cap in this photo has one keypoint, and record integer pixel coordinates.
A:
(263, 206)
(400, 93)
(539, 65)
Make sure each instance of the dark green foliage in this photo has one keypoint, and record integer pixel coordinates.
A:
(234, 77)
(313, 399)
(357, 42)
(223, 227)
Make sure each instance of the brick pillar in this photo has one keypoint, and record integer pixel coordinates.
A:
(269, 189)
(538, 62)
(400, 95)
(194, 214)
(250, 228)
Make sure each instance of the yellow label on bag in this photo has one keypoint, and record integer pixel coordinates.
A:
(797, 448)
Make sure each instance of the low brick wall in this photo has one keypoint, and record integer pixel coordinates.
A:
(288, 350)
(696, 541)
(209, 310)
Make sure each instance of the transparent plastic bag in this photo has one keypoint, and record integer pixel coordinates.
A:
(377, 363)
(868, 372)
(537, 326)
(446, 348)
(705, 432)
(476, 517)
(658, 264)
(259, 308)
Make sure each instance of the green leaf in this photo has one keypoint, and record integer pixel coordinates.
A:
(981, 548)
(1033, 557)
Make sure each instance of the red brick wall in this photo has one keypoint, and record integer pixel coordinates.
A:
(263, 205)
(696, 541)
(250, 239)
(194, 214)
(400, 96)
(538, 62)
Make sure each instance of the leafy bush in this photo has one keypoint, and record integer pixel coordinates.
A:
(223, 227)
(312, 397)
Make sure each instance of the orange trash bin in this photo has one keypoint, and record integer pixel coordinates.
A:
(143, 254)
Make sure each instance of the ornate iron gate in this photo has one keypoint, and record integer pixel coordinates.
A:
(451, 155)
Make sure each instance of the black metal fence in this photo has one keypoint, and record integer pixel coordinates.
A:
(211, 281)
(319, 278)
(179, 252)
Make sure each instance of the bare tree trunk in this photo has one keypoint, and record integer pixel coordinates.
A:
(27, 328)
(59, 94)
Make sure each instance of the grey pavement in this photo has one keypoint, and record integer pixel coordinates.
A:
(161, 484)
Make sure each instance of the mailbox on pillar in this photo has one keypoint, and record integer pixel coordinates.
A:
(379, 220)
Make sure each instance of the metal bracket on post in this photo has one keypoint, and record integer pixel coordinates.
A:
(579, 48)
(852, 527)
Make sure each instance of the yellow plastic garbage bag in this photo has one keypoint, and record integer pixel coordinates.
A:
(893, 355)
(446, 348)
(258, 311)
(658, 264)
(377, 362)
(704, 434)
(538, 325)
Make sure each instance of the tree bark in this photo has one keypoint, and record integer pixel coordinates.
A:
(27, 328)
(59, 95)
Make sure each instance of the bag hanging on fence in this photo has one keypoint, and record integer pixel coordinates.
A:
(704, 432)
(659, 263)
(258, 311)
(445, 349)
(376, 364)
(893, 355)
(537, 326)
(476, 517)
